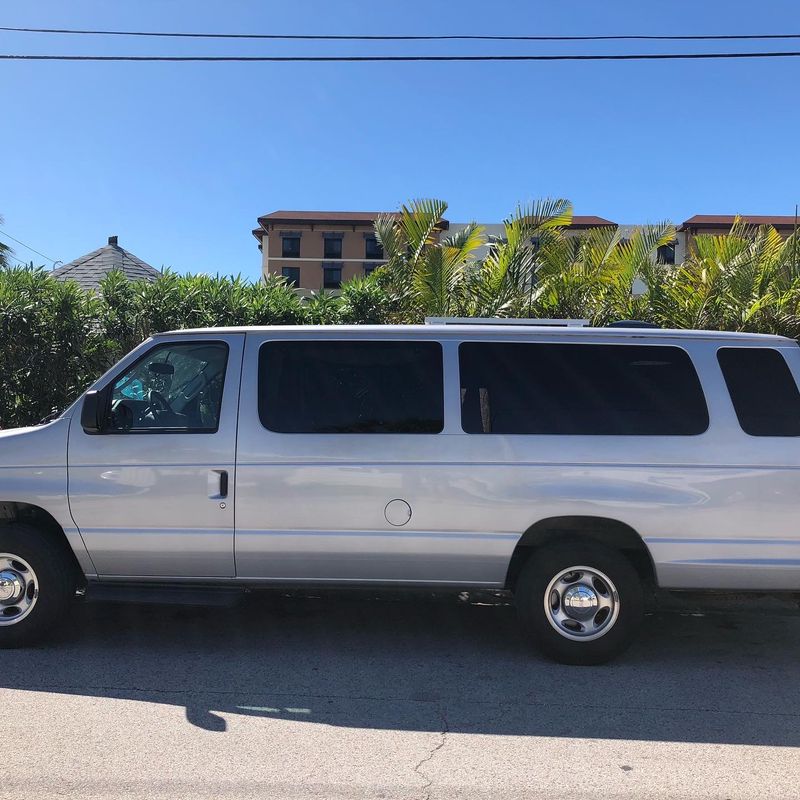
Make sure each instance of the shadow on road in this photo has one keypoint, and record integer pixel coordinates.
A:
(427, 664)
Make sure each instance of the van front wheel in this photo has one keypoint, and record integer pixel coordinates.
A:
(37, 584)
(581, 602)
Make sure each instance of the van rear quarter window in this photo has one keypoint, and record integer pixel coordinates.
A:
(351, 387)
(762, 389)
(580, 389)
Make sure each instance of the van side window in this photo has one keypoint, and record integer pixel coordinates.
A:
(762, 389)
(580, 389)
(351, 387)
(172, 388)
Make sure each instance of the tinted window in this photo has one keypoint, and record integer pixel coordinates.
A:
(762, 389)
(617, 390)
(175, 387)
(351, 387)
(333, 248)
(372, 248)
(292, 275)
(291, 247)
(332, 278)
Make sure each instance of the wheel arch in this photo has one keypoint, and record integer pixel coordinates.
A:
(610, 532)
(37, 517)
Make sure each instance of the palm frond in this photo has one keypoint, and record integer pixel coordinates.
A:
(419, 222)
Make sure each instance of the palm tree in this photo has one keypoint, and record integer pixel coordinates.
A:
(424, 273)
(592, 275)
(632, 259)
(503, 282)
(745, 280)
(5, 251)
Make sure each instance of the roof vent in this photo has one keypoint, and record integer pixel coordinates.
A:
(112, 240)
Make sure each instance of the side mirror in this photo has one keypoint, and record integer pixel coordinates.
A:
(93, 413)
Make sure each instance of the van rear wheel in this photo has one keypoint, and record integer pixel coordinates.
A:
(580, 601)
(37, 584)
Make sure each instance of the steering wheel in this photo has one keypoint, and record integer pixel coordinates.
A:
(156, 402)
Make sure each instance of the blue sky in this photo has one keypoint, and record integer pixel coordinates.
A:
(180, 159)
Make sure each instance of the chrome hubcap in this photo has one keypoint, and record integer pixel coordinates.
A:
(19, 589)
(581, 603)
(11, 586)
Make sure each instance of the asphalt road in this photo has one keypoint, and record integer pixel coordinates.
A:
(362, 697)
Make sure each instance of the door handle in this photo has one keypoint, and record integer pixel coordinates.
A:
(217, 484)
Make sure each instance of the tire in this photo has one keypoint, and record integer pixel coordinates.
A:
(592, 614)
(37, 564)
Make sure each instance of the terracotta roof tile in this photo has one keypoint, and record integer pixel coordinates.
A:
(590, 221)
(726, 220)
(324, 216)
(366, 218)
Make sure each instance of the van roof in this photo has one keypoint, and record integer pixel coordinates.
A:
(472, 331)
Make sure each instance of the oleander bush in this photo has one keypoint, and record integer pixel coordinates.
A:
(56, 339)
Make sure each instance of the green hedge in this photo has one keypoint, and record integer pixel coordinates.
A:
(56, 339)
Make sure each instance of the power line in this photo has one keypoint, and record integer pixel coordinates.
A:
(27, 246)
(403, 38)
(20, 262)
(614, 57)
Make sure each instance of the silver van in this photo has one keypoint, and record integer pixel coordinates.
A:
(579, 468)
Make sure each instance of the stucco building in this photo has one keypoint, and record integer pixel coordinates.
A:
(323, 249)
(318, 249)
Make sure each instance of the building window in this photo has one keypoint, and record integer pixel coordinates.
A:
(762, 389)
(290, 247)
(666, 253)
(370, 268)
(355, 387)
(373, 248)
(580, 389)
(333, 248)
(292, 275)
(332, 277)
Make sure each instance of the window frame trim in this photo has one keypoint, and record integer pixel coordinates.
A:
(443, 349)
(729, 395)
(506, 341)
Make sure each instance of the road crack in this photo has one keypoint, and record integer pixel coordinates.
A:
(426, 789)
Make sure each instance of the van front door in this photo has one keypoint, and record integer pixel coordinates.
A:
(152, 493)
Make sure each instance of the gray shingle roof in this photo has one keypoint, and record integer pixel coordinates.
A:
(87, 271)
